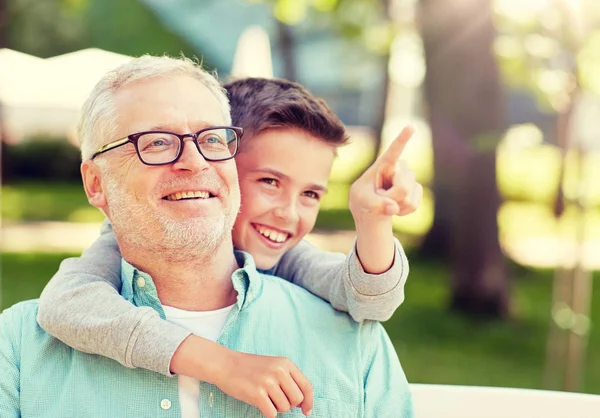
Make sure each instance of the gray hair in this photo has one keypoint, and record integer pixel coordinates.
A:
(97, 123)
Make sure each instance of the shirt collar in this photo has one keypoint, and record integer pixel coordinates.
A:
(246, 282)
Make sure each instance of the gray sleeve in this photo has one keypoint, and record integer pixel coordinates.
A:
(82, 307)
(342, 281)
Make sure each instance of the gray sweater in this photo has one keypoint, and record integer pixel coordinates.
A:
(81, 305)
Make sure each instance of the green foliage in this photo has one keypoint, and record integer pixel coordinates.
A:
(365, 22)
(53, 27)
(538, 48)
(130, 28)
(47, 201)
(40, 158)
(46, 28)
(589, 63)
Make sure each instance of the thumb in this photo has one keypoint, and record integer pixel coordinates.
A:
(391, 208)
(383, 206)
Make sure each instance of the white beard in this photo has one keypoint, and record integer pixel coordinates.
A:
(139, 226)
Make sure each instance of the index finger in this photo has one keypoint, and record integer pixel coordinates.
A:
(396, 148)
(306, 388)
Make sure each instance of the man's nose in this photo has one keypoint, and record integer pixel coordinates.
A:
(191, 159)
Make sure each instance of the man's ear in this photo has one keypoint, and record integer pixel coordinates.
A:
(91, 175)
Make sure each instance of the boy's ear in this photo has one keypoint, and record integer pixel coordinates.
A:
(92, 183)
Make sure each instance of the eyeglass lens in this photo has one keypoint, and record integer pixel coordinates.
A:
(215, 144)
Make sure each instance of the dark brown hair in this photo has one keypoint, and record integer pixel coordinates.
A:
(260, 104)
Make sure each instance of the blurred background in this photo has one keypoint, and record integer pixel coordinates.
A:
(505, 97)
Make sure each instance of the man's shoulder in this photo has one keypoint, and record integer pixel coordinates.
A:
(20, 319)
(24, 310)
(293, 296)
(276, 284)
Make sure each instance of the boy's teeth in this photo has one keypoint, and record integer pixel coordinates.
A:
(272, 234)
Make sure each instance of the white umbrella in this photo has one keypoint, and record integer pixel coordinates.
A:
(43, 96)
(76, 73)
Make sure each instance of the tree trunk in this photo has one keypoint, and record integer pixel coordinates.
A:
(287, 49)
(3, 23)
(466, 112)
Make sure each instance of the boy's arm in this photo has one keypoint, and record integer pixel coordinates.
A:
(81, 306)
(9, 365)
(385, 189)
(369, 283)
(344, 283)
(387, 393)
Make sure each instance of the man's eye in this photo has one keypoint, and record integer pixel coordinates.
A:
(156, 144)
(213, 140)
(269, 181)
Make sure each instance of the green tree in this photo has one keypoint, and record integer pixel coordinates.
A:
(466, 113)
(465, 103)
(53, 27)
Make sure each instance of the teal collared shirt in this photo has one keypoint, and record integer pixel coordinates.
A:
(353, 366)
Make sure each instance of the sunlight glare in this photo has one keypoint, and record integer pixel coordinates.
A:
(407, 61)
(520, 10)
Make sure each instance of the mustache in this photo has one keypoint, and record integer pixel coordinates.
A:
(210, 183)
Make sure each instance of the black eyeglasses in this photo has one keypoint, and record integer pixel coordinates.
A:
(217, 143)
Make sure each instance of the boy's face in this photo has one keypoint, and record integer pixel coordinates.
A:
(283, 175)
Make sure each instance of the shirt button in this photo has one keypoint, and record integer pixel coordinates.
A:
(165, 404)
(141, 282)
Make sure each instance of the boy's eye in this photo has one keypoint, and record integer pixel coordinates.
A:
(269, 181)
(312, 195)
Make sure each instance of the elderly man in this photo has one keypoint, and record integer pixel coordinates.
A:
(172, 201)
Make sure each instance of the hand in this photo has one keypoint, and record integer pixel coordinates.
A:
(272, 384)
(388, 187)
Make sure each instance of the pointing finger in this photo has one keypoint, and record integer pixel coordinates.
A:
(396, 148)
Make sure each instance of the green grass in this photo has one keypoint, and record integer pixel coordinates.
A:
(33, 201)
(435, 346)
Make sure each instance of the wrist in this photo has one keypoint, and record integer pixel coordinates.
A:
(373, 225)
(375, 245)
(200, 358)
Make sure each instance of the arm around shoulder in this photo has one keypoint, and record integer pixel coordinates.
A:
(81, 306)
(343, 282)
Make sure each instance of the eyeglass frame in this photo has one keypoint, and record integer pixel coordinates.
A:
(133, 138)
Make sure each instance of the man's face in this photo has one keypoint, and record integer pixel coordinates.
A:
(148, 204)
(283, 174)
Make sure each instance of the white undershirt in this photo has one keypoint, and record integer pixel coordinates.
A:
(207, 324)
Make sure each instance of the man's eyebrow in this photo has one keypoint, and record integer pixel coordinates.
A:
(198, 125)
(279, 174)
